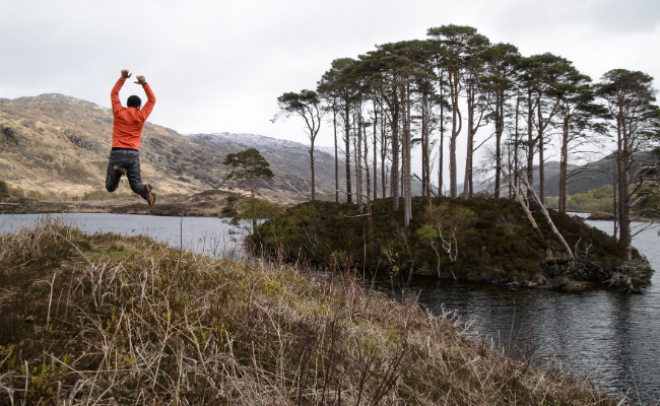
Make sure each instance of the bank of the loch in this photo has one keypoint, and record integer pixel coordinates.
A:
(477, 240)
(110, 320)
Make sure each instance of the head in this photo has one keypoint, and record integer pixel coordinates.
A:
(134, 101)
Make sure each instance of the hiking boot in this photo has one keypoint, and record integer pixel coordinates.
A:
(151, 196)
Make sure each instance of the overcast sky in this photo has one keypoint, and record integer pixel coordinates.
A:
(219, 66)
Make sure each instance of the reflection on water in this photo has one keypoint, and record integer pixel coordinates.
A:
(617, 335)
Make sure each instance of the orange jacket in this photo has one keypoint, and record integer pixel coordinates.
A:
(128, 122)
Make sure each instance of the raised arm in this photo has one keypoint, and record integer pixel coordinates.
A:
(151, 99)
(114, 95)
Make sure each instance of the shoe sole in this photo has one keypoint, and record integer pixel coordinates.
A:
(151, 197)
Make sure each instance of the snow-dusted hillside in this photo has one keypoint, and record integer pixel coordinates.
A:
(285, 157)
(265, 145)
(288, 158)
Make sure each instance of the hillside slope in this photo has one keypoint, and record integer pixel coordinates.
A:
(595, 175)
(61, 143)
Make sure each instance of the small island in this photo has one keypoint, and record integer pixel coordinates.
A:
(478, 240)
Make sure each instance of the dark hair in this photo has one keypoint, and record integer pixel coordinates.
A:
(134, 101)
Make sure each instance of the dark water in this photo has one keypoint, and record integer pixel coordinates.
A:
(615, 335)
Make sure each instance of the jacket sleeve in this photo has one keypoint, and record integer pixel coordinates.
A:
(151, 102)
(114, 96)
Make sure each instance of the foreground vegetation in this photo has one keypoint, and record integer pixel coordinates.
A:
(476, 240)
(109, 320)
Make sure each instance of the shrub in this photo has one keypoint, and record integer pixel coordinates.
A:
(228, 211)
(17, 192)
(33, 194)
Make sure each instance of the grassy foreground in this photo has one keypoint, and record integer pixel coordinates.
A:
(110, 320)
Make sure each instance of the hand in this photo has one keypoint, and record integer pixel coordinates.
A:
(141, 80)
(125, 74)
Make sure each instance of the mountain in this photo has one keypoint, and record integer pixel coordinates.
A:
(288, 158)
(592, 176)
(56, 143)
(551, 169)
(581, 178)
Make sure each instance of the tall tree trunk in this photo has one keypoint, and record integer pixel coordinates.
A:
(625, 237)
(311, 164)
(470, 142)
(457, 125)
(383, 157)
(426, 133)
(366, 164)
(347, 140)
(509, 161)
(375, 164)
(563, 168)
(516, 147)
(407, 175)
(615, 207)
(530, 142)
(334, 126)
(394, 178)
(357, 147)
(253, 188)
(499, 129)
(541, 159)
(425, 149)
(442, 137)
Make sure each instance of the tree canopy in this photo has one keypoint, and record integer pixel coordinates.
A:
(249, 165)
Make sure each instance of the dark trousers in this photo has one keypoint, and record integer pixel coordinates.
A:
(127, 163)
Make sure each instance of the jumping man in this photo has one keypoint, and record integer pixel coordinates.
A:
(128, 123)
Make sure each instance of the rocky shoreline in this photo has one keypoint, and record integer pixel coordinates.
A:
(209, 203)
(607, 216)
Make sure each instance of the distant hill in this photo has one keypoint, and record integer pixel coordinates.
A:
(551, 173)
(62, 143)
(595, 175)
(289, 158)
(582, 178)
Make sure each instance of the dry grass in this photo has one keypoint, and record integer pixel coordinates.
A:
(127, 321)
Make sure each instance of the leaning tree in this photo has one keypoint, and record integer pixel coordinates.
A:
(307, 105)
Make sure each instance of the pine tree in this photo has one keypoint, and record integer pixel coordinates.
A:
(250, 165)
(307, 105)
